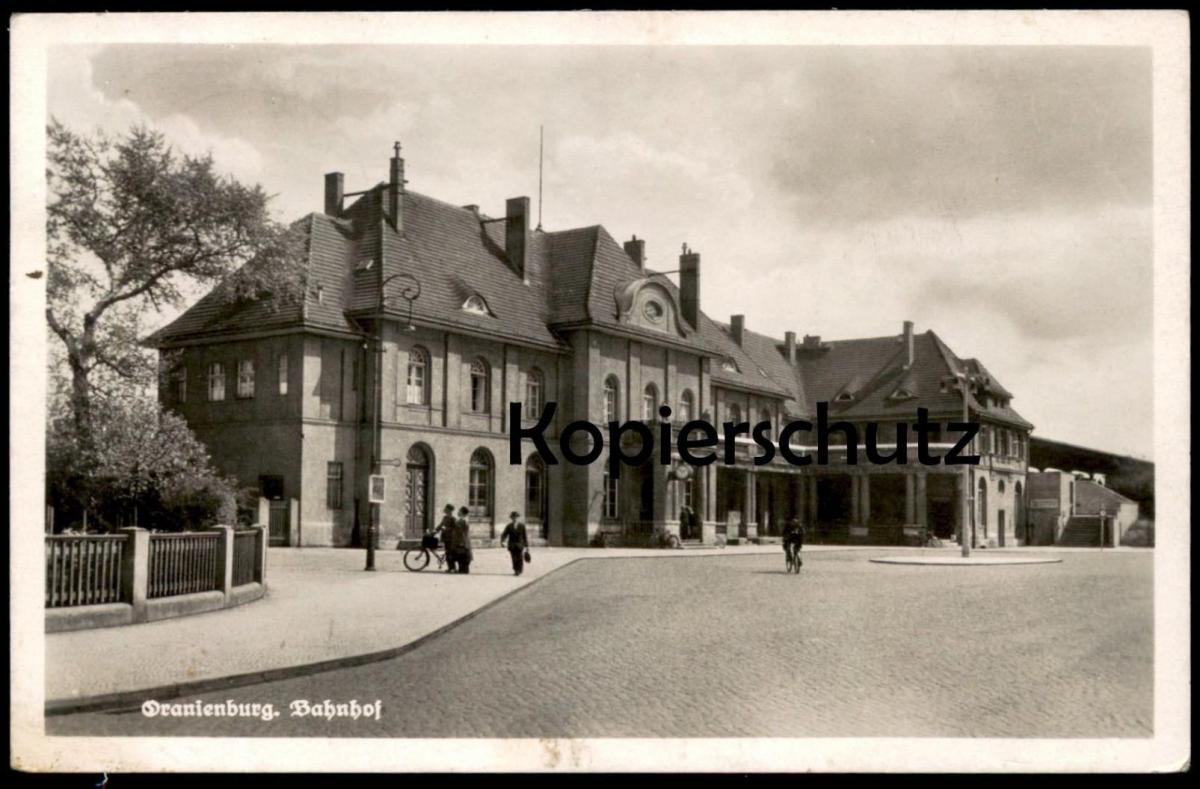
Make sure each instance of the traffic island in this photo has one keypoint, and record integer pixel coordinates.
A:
(971, 561)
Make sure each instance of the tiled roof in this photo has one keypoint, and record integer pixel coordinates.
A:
(573, 278)
(873, 370)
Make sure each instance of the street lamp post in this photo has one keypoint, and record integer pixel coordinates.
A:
(964, 381)
(410, 294)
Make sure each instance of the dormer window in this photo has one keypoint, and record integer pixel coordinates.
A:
(653, 311)
(729, 364)
(844, 397)
(476, 305)
(901, 394)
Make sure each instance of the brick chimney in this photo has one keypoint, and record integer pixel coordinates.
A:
(689, 286)
(335, 188)
(737, 326)
(908, 342)
(789, 345)
(395, 191)
(636, 249)
(811, 342)
(516, 234)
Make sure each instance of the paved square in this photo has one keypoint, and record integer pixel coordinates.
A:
(733, 646)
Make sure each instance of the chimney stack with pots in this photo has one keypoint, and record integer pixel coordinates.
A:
(516, 234)
(689, 286)
(811, 342)
(335, 188)
(636, 249)
(908, 343)
(789, 345)
(396, 182)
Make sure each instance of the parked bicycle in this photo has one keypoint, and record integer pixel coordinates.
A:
(417, 559)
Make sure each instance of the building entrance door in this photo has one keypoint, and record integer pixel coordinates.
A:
(1000, 526)
(277, 527)
(416, 494)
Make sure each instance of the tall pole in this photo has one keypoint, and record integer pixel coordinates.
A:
(968, 480)
(541, 147)
(376, 416)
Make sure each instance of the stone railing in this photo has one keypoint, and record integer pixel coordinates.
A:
(135, 576)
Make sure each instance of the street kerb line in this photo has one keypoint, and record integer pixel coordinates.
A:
(129, 700)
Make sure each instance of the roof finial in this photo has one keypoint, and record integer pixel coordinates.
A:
(396, 149)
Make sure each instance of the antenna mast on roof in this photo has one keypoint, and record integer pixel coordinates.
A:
(541, 146)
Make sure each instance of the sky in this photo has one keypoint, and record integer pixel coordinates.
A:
(1001, 196)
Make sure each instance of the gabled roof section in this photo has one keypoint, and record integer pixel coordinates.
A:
(327, 243)
(455, 254)
(874, 369)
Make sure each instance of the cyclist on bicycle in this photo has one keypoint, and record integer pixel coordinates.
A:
(793, 541)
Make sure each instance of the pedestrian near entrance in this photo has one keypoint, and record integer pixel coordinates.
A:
(518, 542)
(445, 531)
(462, 541)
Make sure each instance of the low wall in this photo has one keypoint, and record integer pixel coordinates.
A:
(136, 576)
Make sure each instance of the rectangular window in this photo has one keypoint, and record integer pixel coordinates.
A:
(216, 382)
(333, 486)
(283, 374)
(414, 393)
(478, 499)
(245, 380)
(611, 494)
(180, 384)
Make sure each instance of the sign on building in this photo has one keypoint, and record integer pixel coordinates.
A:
(1043, 504)
(377, 493)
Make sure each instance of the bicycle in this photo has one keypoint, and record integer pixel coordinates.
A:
(794, 562)
(417, 559)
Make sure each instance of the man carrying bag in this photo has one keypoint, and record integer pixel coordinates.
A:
(518, 543)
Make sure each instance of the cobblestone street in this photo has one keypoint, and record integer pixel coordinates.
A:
(733, 646)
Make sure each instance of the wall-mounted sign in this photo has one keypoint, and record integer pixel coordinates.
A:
(1043, 504)
(377, 492)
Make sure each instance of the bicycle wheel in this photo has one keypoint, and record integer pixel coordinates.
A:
(416, 559)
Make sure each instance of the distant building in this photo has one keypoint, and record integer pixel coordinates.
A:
(286, 400)
(1067, 509)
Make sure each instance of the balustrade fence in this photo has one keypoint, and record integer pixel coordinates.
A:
(135, 565)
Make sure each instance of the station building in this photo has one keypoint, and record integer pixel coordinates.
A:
(423, 320)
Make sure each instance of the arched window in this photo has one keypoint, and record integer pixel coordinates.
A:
(733, 413)
(650, 403)
(687, 406)
(612, 397)
(480, 380)
(1000, 486)
(416, 387)
(535, 489)
(479, 493)
(533, 393)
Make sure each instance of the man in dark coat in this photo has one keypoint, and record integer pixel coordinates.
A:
(445, 531)
(462, 541)
(518, 542)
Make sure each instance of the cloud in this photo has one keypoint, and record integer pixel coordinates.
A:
(76, 101)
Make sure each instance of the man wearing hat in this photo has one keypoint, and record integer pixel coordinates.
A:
(445, 531)
(518, 543)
